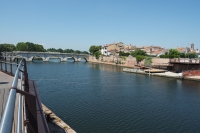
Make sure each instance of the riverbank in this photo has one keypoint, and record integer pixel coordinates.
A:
(162, 74)
(134, 69)
(114, 64)
(55, 123)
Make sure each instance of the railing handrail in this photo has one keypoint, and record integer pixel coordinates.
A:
(29, 120)
(8, 113)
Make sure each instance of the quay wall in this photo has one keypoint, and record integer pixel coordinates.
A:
(185, 67)
(127, 62)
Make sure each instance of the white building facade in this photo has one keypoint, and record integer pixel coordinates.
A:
(104, 51)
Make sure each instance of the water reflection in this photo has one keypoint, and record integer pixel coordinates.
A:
(105, 67)
(101, 98)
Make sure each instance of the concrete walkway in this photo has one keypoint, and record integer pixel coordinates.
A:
(5, 85)
(5, 80)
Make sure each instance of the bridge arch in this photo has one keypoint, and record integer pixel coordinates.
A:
(66, 58)
(54, 59)
(84, 59)
(37, 59)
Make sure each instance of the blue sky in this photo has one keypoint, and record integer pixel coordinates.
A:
(78, 24)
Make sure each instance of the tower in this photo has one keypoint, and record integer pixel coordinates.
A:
(192, 47)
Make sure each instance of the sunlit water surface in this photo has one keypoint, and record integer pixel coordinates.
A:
(98, 98)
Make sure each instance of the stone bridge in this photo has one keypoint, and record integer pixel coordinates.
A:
(29, 56)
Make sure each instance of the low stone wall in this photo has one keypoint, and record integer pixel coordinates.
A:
(127, 62)
(160, 60)
(114, 60)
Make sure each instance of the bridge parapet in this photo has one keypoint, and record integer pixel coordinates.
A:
(44, 55)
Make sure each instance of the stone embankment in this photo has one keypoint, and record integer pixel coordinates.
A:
(130, 62)
(126, 61)
(162, 74)
(59, 125)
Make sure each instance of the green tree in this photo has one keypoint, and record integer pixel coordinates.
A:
(183, 55)
(123, 54)
(77, 51)
(31, 46)
(84, 52)
(123, 57)
(51, 50)
(39, 48)
(68, 51)
(192, 55)
(97, 54)
(173, 53)
(166, 55)
(21, 46)
(59, 50)
(94, 49)
(7, 47)
(139, 58)
(148, 61)
(138, 52)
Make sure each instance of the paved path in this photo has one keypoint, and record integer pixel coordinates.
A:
(5, 84)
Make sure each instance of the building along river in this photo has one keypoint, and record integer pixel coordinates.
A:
(100, 98)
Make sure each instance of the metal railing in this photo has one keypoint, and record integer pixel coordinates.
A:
(29, 114)
(185, 60)
(8, 113)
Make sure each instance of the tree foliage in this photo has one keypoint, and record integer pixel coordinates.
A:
(21, 46)
(94, 49)
(173, 53)
(124, 54)
(40, 48)
(60, 50)
(148, 61)
(51, 50)
(138, 52)
(29, 46)
(67, 51)
(191, 55)
(139, 58)
(97, 54)
(7, 47)
(77, 51)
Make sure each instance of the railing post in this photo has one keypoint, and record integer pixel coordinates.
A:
(5, 65)
(17, 62)
(19, 118)
(26, 77)
(1, 65)
(11, 66)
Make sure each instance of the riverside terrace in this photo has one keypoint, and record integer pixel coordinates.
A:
(45, 55)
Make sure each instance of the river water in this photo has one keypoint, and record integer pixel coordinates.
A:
(99, 98)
